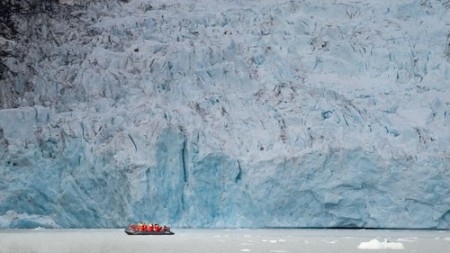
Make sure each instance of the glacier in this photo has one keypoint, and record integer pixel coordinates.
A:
(215, 114)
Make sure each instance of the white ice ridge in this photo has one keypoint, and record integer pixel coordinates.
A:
(208, 113)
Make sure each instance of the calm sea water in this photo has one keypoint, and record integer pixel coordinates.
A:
(220, 240)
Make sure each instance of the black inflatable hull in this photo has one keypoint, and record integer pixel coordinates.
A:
(132, 232)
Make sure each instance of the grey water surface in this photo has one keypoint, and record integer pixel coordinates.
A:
(219, 240)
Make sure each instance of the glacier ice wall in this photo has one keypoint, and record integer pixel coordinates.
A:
(226, 114)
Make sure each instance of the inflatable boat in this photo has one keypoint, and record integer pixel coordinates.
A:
(143, 229)
(134, 232)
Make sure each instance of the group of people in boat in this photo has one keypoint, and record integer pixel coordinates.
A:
(142, 227)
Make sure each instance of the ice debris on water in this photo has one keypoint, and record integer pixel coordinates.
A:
(375, 244)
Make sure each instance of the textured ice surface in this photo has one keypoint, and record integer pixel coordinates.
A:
(227, 114)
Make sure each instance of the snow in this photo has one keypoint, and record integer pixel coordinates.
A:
(227, 114)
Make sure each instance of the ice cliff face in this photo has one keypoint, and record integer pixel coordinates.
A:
(225, 114)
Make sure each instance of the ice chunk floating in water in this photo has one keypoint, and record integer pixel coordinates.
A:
(375, 244)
